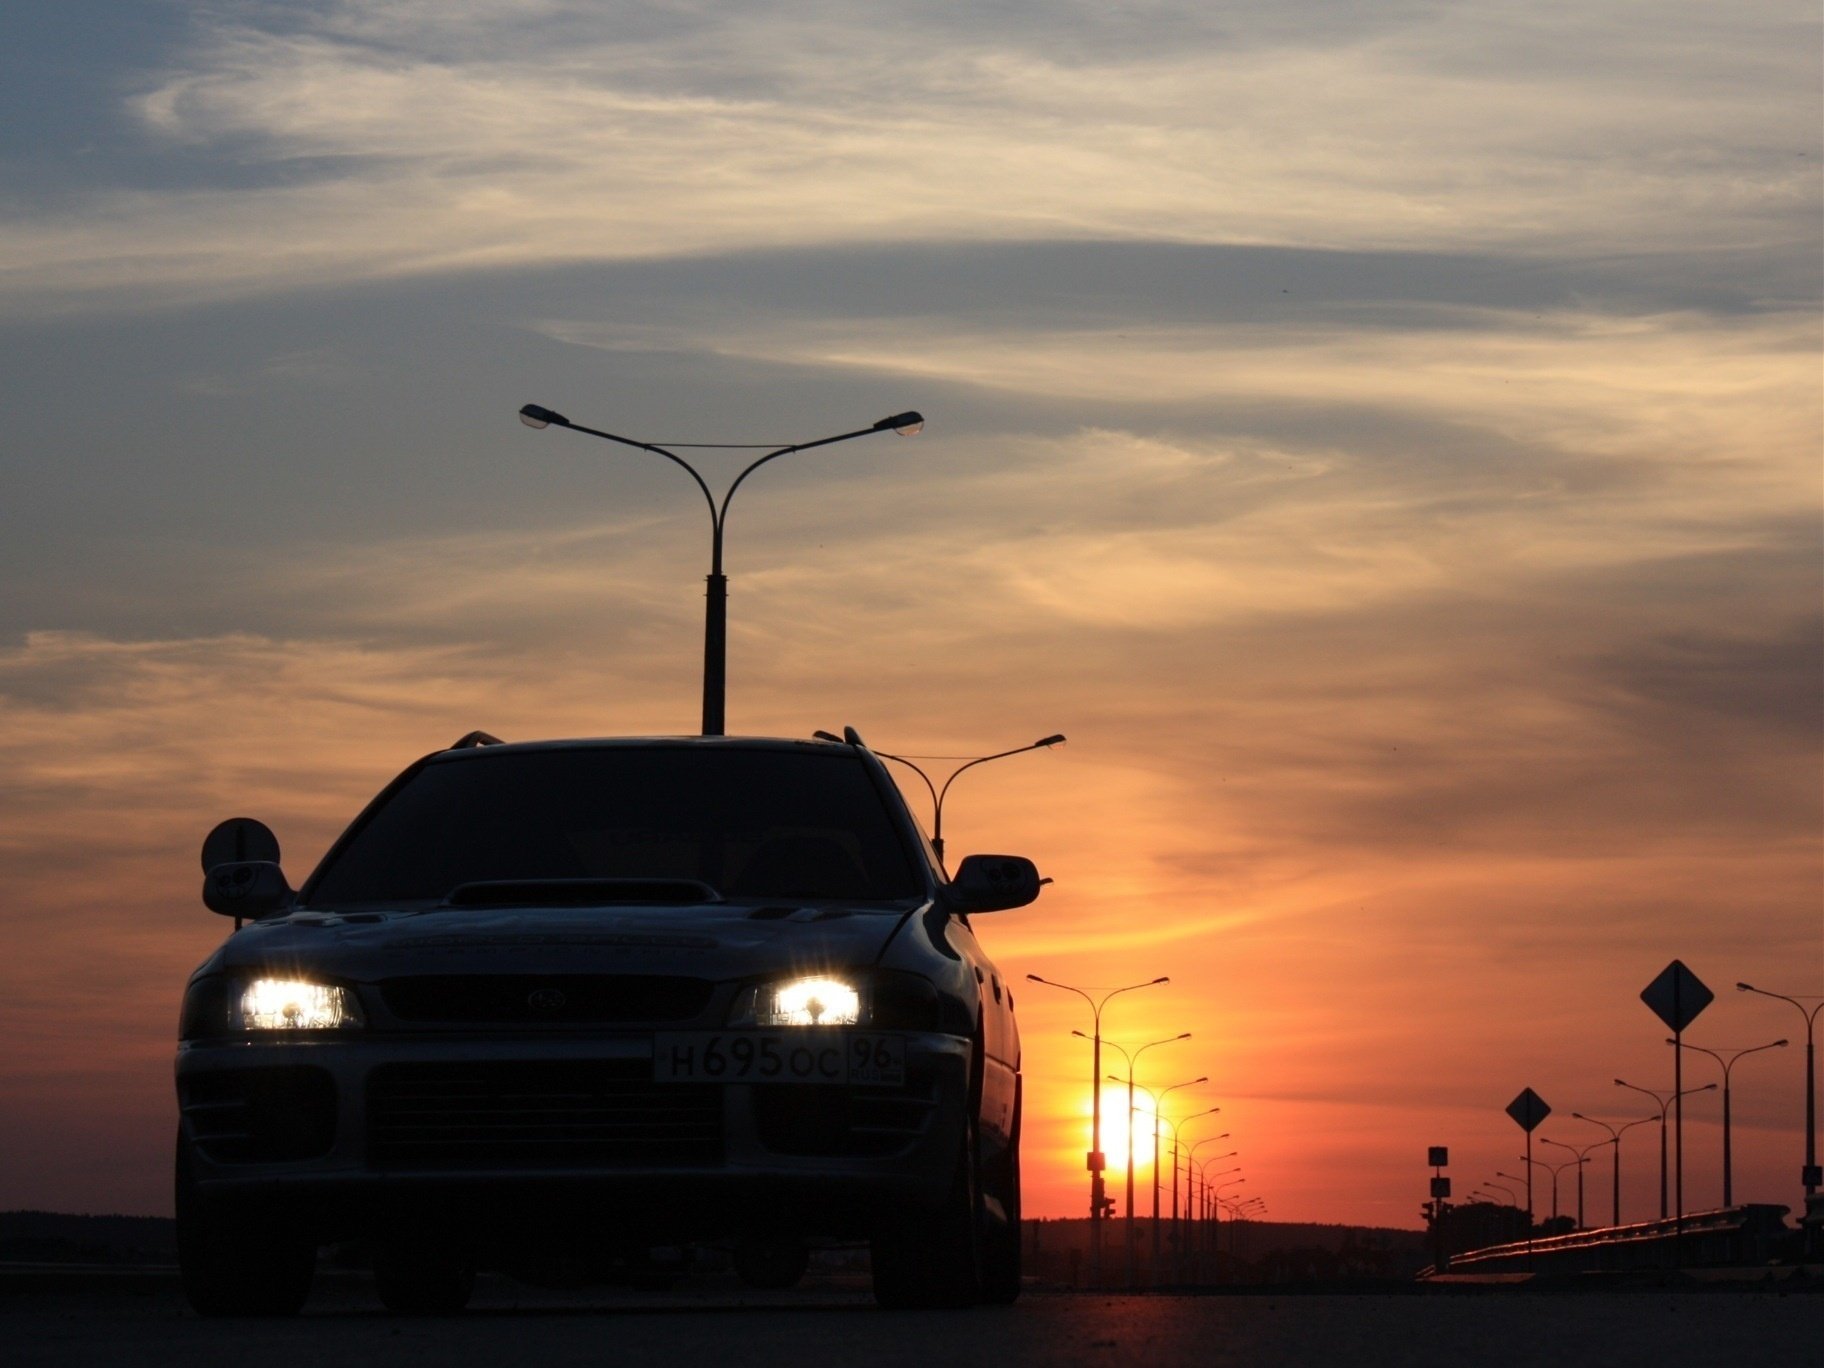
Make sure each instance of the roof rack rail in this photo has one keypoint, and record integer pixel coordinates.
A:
(477, 738)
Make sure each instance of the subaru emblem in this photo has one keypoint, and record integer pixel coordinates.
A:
(547, 1000)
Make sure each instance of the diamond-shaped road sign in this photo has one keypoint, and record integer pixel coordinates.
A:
(1528, 1110)
(1677, 996)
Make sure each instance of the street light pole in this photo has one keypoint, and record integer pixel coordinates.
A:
(1097, 1161)
(1615, 1136)
(1728, 1067)
(1181, 1228)
(1583, 1157)
(1813, 1176)
(1132, 1059)
(1554, 1170)
(938, 795)
(1158, 1101)
(1663, 1101)
(715, 623)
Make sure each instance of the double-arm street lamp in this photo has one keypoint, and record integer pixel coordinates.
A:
(1728, 1066)
(1812, 1176)
(1097, 1160)
(1616, 1130)
(1131, 1059)
(1663, 1101)
(1583, 1157)
(938, 794)
(715, 627)
(1555, 1170)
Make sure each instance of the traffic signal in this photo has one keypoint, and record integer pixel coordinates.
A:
(1108, 1206)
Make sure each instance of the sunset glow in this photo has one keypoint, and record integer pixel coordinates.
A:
(1385, 440)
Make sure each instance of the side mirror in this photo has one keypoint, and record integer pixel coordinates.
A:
(241, 875)
(992, 883)
(238, 839)
(247, 888)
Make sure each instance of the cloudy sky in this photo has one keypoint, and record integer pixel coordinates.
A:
(1385, 437)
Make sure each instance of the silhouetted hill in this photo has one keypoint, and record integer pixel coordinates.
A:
(55, 1237)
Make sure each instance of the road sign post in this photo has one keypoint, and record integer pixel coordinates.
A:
(1676, 997)
(1528, 1110)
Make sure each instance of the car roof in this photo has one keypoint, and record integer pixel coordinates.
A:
(470, 747)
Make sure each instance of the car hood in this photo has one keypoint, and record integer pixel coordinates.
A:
(722, 941)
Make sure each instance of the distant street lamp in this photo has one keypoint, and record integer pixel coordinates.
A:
(715, 626)
(1512, 1200)
(1583, 1157)
(1097, 1160)
(1812, 1176)
(1728, 1065)
(1554, 1170)
(1528, 1185)
(1616, 1130)
(1128, 1224)
(938, 794)
(1663, 1101)
(1158, 1101)
(1180, 1225)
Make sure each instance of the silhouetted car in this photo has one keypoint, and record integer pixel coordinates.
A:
(559, 1006)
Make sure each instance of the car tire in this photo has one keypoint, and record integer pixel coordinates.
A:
(418, 1278)
(932, 1259)
(234, 1261)
(1002, 1250)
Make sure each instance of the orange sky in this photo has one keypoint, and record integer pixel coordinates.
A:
(1406, 496)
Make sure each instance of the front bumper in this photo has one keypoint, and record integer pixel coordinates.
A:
(351, 1134)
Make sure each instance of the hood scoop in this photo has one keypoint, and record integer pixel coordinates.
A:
(582, 893)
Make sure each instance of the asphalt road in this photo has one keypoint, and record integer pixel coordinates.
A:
(144, 1324)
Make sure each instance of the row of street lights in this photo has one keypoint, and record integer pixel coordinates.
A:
(1203, 1198)
(1663, 1102)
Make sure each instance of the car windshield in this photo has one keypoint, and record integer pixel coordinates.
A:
(750, 823)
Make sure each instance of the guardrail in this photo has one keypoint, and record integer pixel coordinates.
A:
(1740, 1236)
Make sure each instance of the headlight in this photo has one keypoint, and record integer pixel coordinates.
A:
(282, 1004)
(819, 1001)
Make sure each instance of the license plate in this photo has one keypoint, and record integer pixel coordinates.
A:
(864, 1058)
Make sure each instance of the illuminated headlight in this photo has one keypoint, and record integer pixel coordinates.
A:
(806, 1002)
(277, 1004)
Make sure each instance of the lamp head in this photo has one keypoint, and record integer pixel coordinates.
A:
(1056, 740)
(907, 424)
(1744, 987)
(536, 416)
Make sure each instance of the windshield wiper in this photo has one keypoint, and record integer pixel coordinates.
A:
(581, 893)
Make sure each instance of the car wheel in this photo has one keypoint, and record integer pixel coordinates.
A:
(932, 1259)
(418, 1278)
(1002, 1250)
(233, 1261)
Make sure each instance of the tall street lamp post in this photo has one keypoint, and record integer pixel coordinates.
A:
(715, 625)
(939, 794)
(1812, 1176)
(1213, 1204)
(1663, 1101)
(1158, 1101)
(1616, 1130)
(1728, 1066)
(1128, 1222)
(1097, 1160)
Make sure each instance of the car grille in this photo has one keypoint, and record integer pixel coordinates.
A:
(809, 1119)
(253, 1116)
(553, 999)
(543, 1114)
